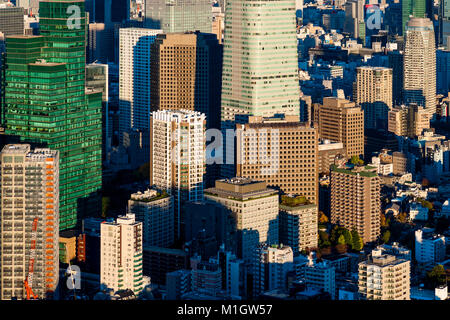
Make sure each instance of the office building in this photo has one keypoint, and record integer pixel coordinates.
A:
(100, 43)
(177, 158)
(415, 8)
(408, 121)
(206, 278)
(272, 270)
(187, 73)
(395, 62)
(121, 255)
(374, 95)
(135, 78)
(430, 247)
(178, 283)
(178, 15)
(298, 226)
(342, 121)
(53, 63)
(329, 151)
(29, 214)
(320, 276)
(282, 152)
(11, 20)
(419, 78)
(355, 200)
(254, 208)
(260, 64)
(384, 277)
(155, 211)
(160, 261)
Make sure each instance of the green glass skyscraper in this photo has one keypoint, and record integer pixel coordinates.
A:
(415, 8)
(46, 104)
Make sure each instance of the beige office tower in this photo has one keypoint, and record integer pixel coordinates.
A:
(419, 77)
(121, 254)
(374, 95)
(342, 121)
(254, 208)
(173, 71)
(281, 151)
(408, 121)
(384, 277)
(355, 200)
(177, 156)
(29, 214)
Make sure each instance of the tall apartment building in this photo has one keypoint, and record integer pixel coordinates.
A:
(341, 120)
(187, 73)
(384, 277)
(29, 197)
(135, 78)
(155, 211)
(254, 208)
(177, 157)
(374, 95)
(260, 63)
(281, 151)
(355, 200)
(178, 15)
(11, 21)
(419, 75)
(121, 254)
(408, 121)
(299, 226)
(53, 65)
(274, 264)
(430, 247)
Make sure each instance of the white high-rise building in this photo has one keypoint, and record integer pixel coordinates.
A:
(419, 77)
(121, 254)
(29, 213)
(134, 78)
(430, 247)
(177, 157)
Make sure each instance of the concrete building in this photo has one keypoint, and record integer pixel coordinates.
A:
(299, 226)
(408, 121)
(282, 152)
(384, 277)
(430, 247)
(177, 158)
(155, 211)
(160, 261)
(321, 276)
(187, 74)
(11, 20)
(29, 212)
(177, 283)
(260, 76)
(206, 278)
(374, 95)
(417, 212)
(355, 200)
(254, 208)
(274, 264)
(342, 121)
(134, 78)
(121, 254)
(419, 78)
(178, 15)
(329, 151)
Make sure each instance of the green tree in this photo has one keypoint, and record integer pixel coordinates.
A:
(341, 239)
(357, 243)
(437, 276)
(347, 236)
(356, 160)
(322, 218)
(324, 241)
(386, 235)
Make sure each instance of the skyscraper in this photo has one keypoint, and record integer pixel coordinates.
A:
(260, 63)
(419, 70)
(374, 95)
(355, 200)
(415, 8)
(58, 112)
(179, 15)
(342, 121)
(408, 121)
(121, 254)
(11, 21)
(177, 157)
(29, 210)
(134, 78)
(186, 74)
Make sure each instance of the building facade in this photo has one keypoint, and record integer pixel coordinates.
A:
(29, 212)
